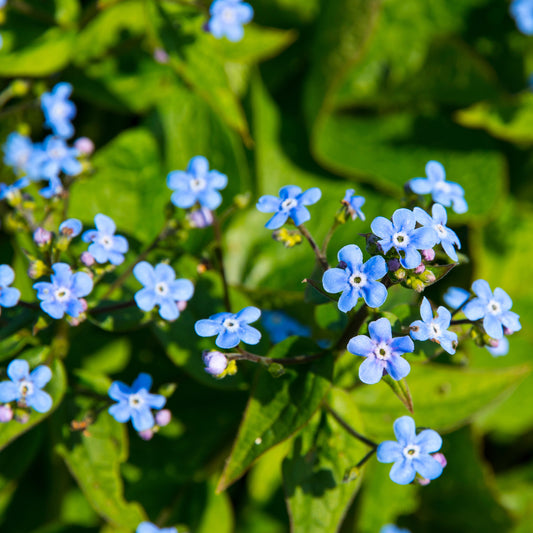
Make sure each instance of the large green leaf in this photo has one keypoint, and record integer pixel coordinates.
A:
(278, 407)
(313, 473)
(56, 388)
(94, 459)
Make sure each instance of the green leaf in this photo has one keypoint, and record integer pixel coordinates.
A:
(277, 408)
(56, 388)
(313, 472)
(94, 458)
(444, 397)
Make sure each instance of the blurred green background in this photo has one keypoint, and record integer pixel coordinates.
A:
(336, 94)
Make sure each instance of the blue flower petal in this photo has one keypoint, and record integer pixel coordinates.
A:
(300, 215)
(18, 369)
(382, 227)
(142, 381)
(248, 314)
(168, 309)
(311, 196)
(216, 179)
(277, 220)
(115, 258)
(144, 273)
(142, 419)
(121, 412)
(371, 371)
(475, 309)
(120, 244)
(403, 220)
(178, 180)
(455, 297)
(268, 204)
(482, 289)
(511, 321)
(389, 451)
(360, 345)
(427, 466)
(435, 171)
(289, 191)
(503, 299)
(335, 280)
(198, 166)
(404, 429)
(104, 224)
(249, 335)
(493, 326)
(62, 274)
(459, 205)
(41, 376)
(398, 367)
(402, 472)
(420, 185)
(9, 297)
(424, 238)
(155, 401)
(351, 255)
(449, 249)
(375, 268)
(7, 275)
(145, 299)
(374, 293)
(425, 310)
(444, 317)
(227, 339)
(99, 253)
(53, 308)
(429, 441)
(40, 401)
(380, 330)
(210, 198)
(119, 391)
(402, 345)
(348, 299)
(82, 284)
(9, 391)
(183, 199)
(164, 273)
(182, 290)
(447, 340)
(420, 331)
(412, 258)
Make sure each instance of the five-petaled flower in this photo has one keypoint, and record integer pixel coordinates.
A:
(9, 296)
(411, 454)
(63, 294)
(135, 402)
(401, 235)
(197, 184)
(446, 237)
(291, 203)
(435, 329)
(494, 309)
(522, 12)
(382, 352)
(106, 246)
(25, 388)
(231, 328)
(18, 150)
(228, 17)
(55, 157)
(443, 192)
(356, 279)
(353, 204)
(161, 288)
(59, 110)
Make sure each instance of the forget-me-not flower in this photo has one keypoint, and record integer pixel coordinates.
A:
(9, 296)
(105, 245)
(228, 17)
(231, 328)
(25, 387)
(291, 203)
(353, 204)
(161, 288)
(58, 157)
(17, 151)
(63, 294)
(383, 353)
(435, 329)
(280, 326)
(455, 297)
(446, 237)
(71, 227)
(411, 454)
(401, 235)
(148, 527)
(135, 402)
(59, 110)
(500, 349)
(356, 279)
(391, 528)
(197, 184)
(522, 12)
(494, 309)
(443, 192)
(13, 190)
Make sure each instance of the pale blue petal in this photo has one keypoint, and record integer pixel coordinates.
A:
(429, 441)
(375, 268)
(404, 429)
(422, 331)
(435, 171)
(82, 284)
(198, 166)
(9, 391)
(289, 191)
(142, 419)
(503, 299)
(449, 249)
(423, 238)
(427, 466)
(422, 217)
(455, 297)
(216, 179)
(475, 309)
(444, 317)
(164, 273)
(155, 401)
(104, 224)
(425, 310)
(412, 258)
(351, 255)
(41, 376)
(268, 204)
(311, 196)
(448, 339)
(277, 220)
(145, 299)
(182, 290)
(335, 280)
(348, 299)
(121, 412)
(178, 180)
(382, 227)
(459, 205)
(397, 367)
(53, 308)
(183, 199)
(360, 345)
(115, 258)
(40, 401)
(402, 344)
(210, 198)
(493, 326)
(374, 293)
(7, 275)
(207, 327)
(73, 308)
(89, 235)
(9, 297)
(119, 391)
(380, 330)
(420, 186)
(142, 381)
(62, 274)
(120, 244)
(403, 220)
(300, 215)
(389, 451)
(227, 340)
(99, 253)
(168, 309)
(248, 314)
(482, 289)
(371, 371)
(144, 273)
(511, 321)
(249, 335)
(439, 214)
(402, 472)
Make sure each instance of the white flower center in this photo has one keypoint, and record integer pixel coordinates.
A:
(441, 231)
(494, 307)
(106, 241)
(25, 387)
(442, 186)
(231, 324)
(136, 401)
(197, 184)
(358, 280)
(435, 329)
(62, 294)
(400, 239)
(161, 288)
(22, 157)
(288, 204)
(57, 153)
(58, 110)
(411, 451)
(228, 15)
(382, 351)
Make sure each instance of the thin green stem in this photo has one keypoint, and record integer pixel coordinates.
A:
(320, 257)
(319, 289)
(219, 253)
(349, 428)
(111, 308)
(330, 233)
(296, 360)
(460, 322)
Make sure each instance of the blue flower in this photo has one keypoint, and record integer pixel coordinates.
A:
(215, 362)
(411, 454)
(391, 528)
(500, 349)
(455, 297)
(291, 203)
(161, 288)
(105, 245)
(435, 329)
(442, 191)
(493, 309)
(197, 184)
(445, 236)
(71, 227)
(522, 12)
(25, 387)
(353, 204)
(382, 352)
(356, 279)
(148, 527)
(401, 235)
(228, 17)
(231, 328)
(13, 191)
(63, 294)
(17, 152)
(135, 402)
(280, 326)
(54, 188)
(59, 110)
(9, 296)
(57, 157)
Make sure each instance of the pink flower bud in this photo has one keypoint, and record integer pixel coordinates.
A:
(163, 417)
(6, 413)
(182, 305)
(420, 268)
(147, 434)
(42, 236)
(428, 255)
(440, 458)
(160, 56)
(83, 303)
(84, 145)
(200, 218)
(87, 259)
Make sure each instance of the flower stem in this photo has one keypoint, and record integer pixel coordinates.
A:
(319, 289)
(330, 233)
(219, 253)
(320, 257)
(111, 308)
(350, 429)
(296, 360)
(460, 322)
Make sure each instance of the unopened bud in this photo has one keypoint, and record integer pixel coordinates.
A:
(242, 201)
(42, 237)
(289, 238)
(428, 277)
(418, 285)
(428, 255)
(200, 218)
(161, 56)
(22, 418)
(420, 268)
(70, 228)
(163, 417)
(20, 87)
(400, 274)
(507, 331)
(215, 362)
(182, 305)
(84, 145)
(423, 481)
(6, 413)
(37, 269)
(147, 434)
(440, 457)
(87, 259)
(394, 264)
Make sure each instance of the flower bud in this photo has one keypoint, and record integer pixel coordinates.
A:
(37, 269)
(6, 413)
(440, 458)
(161, 56)
(87, 259)
(22, 418)
(200, 218)
(215, 362)
(42, 237)
(20, 87)
(289, 238)
(428, 277)
(420, 268)
(163, 417)
(84, 145)
(428, 255)
(242, 201)
(182, 305)
(147, 434)
(394, 264)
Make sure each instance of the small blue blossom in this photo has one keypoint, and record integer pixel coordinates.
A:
(401, 235)
(391, 528)
(522, 12)
(148, 527)
(455, 297)
(12, 191)
(56, 157)
(215, 362)
(54, 188)
(9, 296)
(135, 402)
(161, 288)
(494, 309)
(63, 294)
(291, 203)
(446, 237)
(231, 328)
(59, 110)
(17, 152)
(356, 279)
(280, 326)
(228, 17)
(500, 349)
(105, 245)
(25, 387)
(71, 227)
(382, 352)
(435, 329)
(442, 191)
(197, 184)
(411, 454)
(353, 204)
